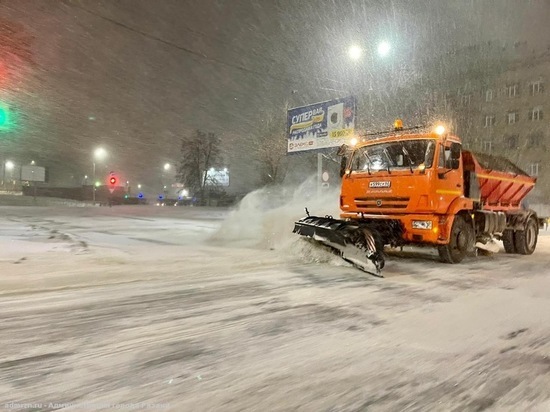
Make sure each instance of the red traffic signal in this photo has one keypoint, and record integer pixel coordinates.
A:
(112, 180)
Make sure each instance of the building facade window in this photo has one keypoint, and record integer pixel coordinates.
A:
(512, 142)
(487, 146)
(513, 90)
(466, 100)
(534, 140)
(534, 169)
(536, 87)
(512, 117)
(489, 95)
(489, 121)
(535, 113)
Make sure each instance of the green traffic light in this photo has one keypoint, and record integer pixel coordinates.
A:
(3, 117)
(6, 118)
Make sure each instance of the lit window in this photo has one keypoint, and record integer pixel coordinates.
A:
(536, 87)
(512, 117)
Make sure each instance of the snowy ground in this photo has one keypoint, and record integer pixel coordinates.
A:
(188, 309)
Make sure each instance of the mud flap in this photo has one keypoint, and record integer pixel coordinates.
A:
(353, 242)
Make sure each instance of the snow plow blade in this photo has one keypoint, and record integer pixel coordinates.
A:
(353, 242)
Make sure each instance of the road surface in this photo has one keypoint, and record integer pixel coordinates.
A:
(180, 309)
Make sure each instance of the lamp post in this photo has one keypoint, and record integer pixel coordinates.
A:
(99, 154)
(9, 166)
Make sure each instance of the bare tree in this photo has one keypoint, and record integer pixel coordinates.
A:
(270, 149)
(199, 152)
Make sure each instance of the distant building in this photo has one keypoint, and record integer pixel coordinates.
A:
(508, 114)
(496, 98)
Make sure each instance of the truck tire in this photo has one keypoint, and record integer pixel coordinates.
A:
(525, 240)
(461, 241)
(508, 241)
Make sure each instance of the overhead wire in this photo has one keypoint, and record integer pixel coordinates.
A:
(195, 53)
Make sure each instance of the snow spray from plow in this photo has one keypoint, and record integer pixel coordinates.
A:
(353, 242)
(260, 222)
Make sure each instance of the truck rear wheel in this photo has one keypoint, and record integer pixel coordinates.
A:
(461, 241)
(508, 241)
(525, 240)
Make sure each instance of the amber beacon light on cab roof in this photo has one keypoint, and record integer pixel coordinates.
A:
(417, 186)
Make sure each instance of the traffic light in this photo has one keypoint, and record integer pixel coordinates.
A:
(113, 180)
(3, 116)
(5, 120)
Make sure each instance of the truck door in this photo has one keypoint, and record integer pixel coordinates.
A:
(449, 175)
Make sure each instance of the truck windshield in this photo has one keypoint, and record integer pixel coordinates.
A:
(394, 155)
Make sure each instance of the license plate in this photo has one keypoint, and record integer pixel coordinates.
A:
(380, 184)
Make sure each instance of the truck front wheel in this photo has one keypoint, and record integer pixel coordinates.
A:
(461, 241)
(526, 240)
(508, 241)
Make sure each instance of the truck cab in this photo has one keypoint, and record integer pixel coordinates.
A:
(407, 180)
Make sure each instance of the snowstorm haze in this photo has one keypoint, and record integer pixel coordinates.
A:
(233, 261)
(135, 76)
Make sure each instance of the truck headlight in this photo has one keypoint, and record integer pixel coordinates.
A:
(422, 224)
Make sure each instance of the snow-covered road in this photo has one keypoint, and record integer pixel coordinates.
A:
(190, 309)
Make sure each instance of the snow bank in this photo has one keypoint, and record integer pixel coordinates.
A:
(265, 218)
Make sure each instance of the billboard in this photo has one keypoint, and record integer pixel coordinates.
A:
(321, 125)
(217, 177)
(33, 173)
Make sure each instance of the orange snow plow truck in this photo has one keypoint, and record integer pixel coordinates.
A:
(414, 187)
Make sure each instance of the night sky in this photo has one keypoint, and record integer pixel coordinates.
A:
(135, 75)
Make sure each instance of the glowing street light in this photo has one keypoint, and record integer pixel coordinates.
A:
(355, 52)
(8, 166)
(99, 154)
(384, 49)
(167, 166)
(139, 186)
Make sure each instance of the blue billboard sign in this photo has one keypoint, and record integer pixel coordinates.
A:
(321, 125)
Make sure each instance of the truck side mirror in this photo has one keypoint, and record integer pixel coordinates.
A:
(342, 150)
(343, 164)
(455, 156)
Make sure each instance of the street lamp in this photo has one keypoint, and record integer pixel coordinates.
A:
(139, 186)
(384, 48)
(9, 165)
(167, 166)
(355, 52)
(99, 154)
